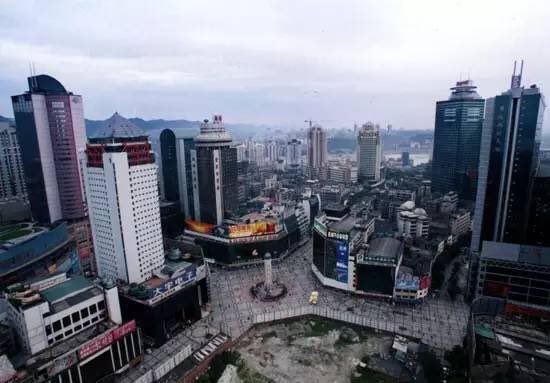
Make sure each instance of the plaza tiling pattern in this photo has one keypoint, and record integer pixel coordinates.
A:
(438, 323)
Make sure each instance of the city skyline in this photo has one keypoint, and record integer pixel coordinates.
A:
(223, 69)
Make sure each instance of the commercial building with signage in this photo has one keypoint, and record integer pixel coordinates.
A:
(247, 239)
(169, 301)
(520, 274)
(99, 353)
(335, 246)
(51, 310)
(377, 265)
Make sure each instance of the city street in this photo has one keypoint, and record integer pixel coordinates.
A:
(438, 323)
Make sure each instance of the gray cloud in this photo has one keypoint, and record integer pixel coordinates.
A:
(272, 62)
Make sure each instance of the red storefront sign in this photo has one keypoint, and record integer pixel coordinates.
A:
(106, 339)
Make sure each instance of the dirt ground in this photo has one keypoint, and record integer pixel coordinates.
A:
(312, 350)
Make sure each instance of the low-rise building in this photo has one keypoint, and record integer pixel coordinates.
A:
(460, 223)
(412, 222)
(53, 309)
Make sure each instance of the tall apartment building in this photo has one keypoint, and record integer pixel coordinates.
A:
(51, 133)
(271, 152)
(214, 170)
(457, 136)
(507, 165)
(369, 153)
(176, 171)
(294, 152)
(317, 147)
(123, 201)
(12, 178)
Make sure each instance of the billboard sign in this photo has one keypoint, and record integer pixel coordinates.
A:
(105, 340)
(342, 262)
(199, 227)
(183, 278)
(337, 235)
(408, 284)
(252, 229)
(320, 227)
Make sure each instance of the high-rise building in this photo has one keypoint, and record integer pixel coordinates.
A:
(369, 152)
(508, 161)
(176, 170)
(123, 200)
(294, 152)
(214, 169)
(457, 136)
(12, 178)
(50, 129)
(317, 147)
(538, 230)
(271, 152)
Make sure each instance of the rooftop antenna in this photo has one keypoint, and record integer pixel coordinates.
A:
(516, 78)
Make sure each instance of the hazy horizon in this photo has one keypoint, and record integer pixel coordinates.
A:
(273, 63)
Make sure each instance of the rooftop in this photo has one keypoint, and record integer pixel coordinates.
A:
(384, 247)
(345, 225)
(70, 287)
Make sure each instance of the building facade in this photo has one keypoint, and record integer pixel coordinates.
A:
(176, 169)
(12, 178)
(317, 147)
(51, 134)
(538, 230)
(214, 172)
(457, 135)
(369, 153)
(123, 201)
(412, 222)
(294, 152)
(508, 163)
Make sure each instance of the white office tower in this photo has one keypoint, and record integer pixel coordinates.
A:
(123, 202)
(369, 152)
(317, 147)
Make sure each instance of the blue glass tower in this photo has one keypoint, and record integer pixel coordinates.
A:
(458, 123)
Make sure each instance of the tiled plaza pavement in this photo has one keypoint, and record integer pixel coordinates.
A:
(439, 323)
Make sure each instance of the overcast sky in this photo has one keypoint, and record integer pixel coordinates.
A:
(273, 62)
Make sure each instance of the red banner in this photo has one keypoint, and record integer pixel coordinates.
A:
(106, 339)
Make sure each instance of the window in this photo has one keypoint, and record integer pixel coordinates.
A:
(84, 312)
(59, 337)
(48, 330)
(87, 323)
(66, 321)
(69, 332)
(76, 317)
(56, 326)
(93, 309)
(77, 328)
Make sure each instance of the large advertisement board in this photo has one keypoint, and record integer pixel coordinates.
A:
(106, 339)
(252, 229)
(342, 250)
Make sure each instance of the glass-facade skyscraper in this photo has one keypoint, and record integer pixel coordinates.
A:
(508, 163)
(176, 170)
(50, 129)
(458, 123)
